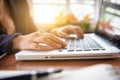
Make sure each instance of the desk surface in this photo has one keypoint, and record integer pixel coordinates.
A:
(9, 63)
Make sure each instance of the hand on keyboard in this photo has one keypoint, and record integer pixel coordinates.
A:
(65, 31)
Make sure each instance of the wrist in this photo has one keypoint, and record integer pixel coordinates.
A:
(16, 43)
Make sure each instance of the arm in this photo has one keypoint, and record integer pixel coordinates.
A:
(6, 42)
(33, 41)
(10, 42)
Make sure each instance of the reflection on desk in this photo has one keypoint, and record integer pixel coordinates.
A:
(9, 63)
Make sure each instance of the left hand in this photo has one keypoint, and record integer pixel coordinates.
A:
(65, 31)
(34, 40)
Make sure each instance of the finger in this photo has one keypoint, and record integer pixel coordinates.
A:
(52, 43)
(49, 41)
(75, 30)
(35, 46)
(70, 29)
(78, 32)
(64, 35)
(57, 40)
(81, 32)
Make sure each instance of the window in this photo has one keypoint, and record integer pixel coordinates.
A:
(45, 11)
(114, 1)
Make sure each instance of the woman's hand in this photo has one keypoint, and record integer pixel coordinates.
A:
(35, 41)
(66, 30)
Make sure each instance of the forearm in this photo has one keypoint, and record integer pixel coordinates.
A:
(6, 44)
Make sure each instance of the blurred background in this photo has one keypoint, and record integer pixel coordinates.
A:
(55, 13)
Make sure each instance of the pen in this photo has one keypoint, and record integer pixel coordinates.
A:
(26, 75)
(48, 72)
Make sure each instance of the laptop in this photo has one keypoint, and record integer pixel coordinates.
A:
(104, 43)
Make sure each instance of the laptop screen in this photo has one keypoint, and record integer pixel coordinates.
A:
(108, 25)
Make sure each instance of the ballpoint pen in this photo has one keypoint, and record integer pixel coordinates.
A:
(48, 72)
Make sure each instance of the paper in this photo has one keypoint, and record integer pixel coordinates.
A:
(96, 72)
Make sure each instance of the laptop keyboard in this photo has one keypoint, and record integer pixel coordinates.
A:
(84, 44)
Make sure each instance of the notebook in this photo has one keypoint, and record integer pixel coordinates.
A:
(104, 43)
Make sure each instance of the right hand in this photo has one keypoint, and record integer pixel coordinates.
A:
(65, 31)
(32, 41)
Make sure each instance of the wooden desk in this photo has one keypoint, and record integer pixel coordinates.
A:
(9, 63)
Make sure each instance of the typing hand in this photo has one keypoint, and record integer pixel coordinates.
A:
(66, 30)
(31, 41)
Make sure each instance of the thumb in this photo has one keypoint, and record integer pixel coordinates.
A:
(36, 46)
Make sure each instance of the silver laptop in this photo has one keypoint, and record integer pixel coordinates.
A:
(104, 43)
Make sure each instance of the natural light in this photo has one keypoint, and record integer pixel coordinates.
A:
(46, 11)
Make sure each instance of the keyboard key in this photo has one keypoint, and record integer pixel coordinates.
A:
(103, 49)
(95, 49)
(87, 49)
(79, 49)
(70, 49)
(60, 50)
